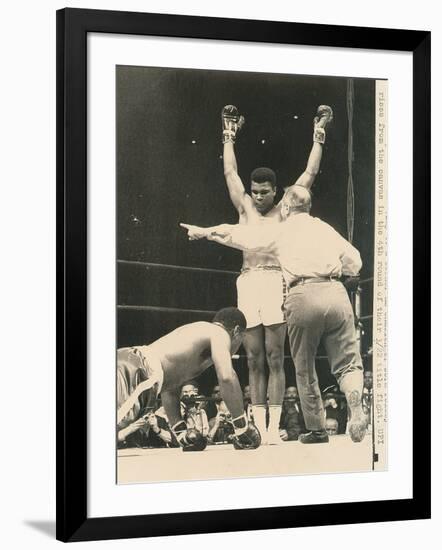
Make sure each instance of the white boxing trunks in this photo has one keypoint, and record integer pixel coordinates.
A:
(261, 294)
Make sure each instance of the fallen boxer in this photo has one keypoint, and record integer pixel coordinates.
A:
(166, 364)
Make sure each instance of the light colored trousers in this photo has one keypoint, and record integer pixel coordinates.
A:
(320, 312)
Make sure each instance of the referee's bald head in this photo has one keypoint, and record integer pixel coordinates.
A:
(296, 199)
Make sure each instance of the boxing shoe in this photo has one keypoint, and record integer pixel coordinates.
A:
(264, 437)
(315, 436)
(273, 438)
(357, 426)
(357, 419)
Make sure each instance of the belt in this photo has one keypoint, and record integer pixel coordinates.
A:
(260, 267)
(304, 280)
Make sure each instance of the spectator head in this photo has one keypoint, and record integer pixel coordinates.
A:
(246, 392)
(216, 393)
(188, 390)
(331, 426)
(291, 392)
(222, 408)
(368, 379)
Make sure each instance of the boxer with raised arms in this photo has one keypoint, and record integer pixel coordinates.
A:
(260, 286)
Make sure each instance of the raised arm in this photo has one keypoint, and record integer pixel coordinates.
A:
(323, 118)
(231, 124)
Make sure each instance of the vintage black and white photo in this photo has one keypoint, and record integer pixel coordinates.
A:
(251, 274)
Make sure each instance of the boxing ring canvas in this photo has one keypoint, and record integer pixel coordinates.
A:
(128, 276)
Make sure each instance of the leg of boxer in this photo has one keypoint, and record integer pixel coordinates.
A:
(274, 345)
(248, 289)
(135, 393)
(138, 382)
(305, 324)
(128, 377)
(254, 346)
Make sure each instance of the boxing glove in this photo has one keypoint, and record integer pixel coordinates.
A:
(324, 116)
(247, 435)
(250, 439)
(232, 121)
(189, 439)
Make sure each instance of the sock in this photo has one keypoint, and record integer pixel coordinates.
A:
(274, 418)
(351, 384)
(259, 417)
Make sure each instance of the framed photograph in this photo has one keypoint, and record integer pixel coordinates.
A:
(243, 214)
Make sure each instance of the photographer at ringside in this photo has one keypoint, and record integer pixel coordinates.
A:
(292, 421)
(220, 426)
(335, 407)
(192, 411)
(150, 430)
(248, 403)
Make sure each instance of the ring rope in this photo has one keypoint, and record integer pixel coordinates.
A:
(202, 312)
(182, 310)
(179, 267)
(199, 269)
(350, 155)
(166, 309)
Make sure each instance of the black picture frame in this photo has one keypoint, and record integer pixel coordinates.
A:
(73, 25)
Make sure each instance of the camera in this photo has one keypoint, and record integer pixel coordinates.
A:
(147, 412)
(188, 400)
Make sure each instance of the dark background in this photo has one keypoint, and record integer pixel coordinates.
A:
(165, 178)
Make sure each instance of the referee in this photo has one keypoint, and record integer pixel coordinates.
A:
(313, 256)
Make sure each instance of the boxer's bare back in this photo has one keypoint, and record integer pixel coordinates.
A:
(186, 352)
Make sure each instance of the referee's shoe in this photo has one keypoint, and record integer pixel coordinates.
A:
(316, 436)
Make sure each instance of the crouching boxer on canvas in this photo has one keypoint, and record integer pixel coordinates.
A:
(165, 365)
